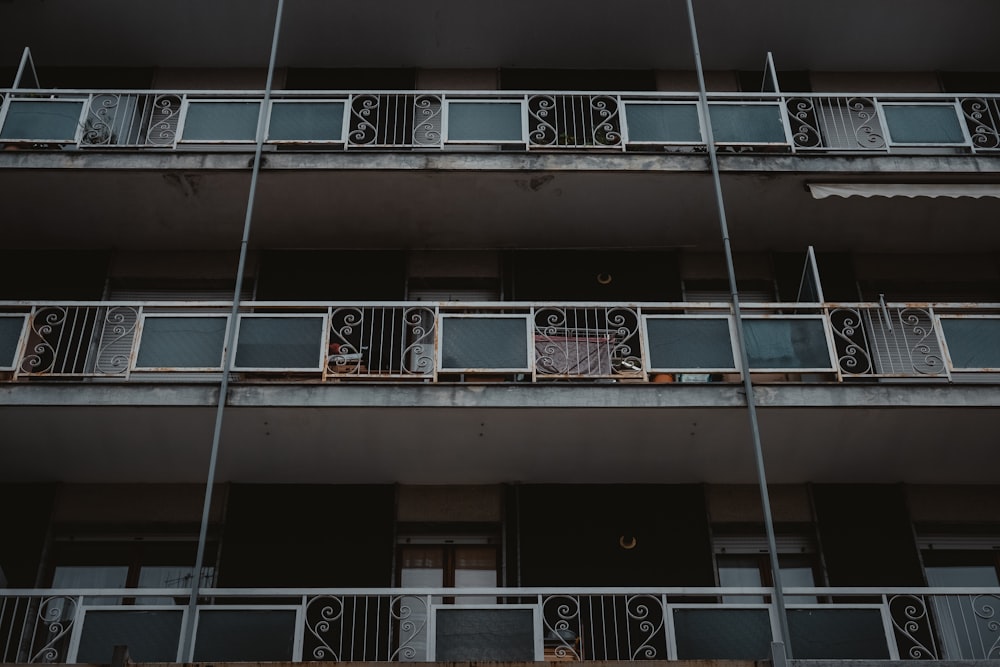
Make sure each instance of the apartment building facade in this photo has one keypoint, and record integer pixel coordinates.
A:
(407, 333)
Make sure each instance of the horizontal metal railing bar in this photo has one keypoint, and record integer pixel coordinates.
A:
(504, 592)
(500, 305)
(34, 93)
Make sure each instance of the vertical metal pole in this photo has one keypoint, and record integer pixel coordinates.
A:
(783, 647)
(187, 645)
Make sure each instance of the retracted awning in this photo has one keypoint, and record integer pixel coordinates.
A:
(975, 190)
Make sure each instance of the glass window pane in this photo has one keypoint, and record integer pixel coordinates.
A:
(10, 334)
(280, 342)
(689, 343)
(494, 635)
(91, 576)
(837, 634)
(663, 123)
(747, 123)
(181, 342)
(498, 343)
(221, 121)
(972, 343)
(170, 576)
(722, 634)
(306, 121)
(484, 121)
(245, 636)
(786, 344)
(923, 124)
(151, 635)
(52, 120)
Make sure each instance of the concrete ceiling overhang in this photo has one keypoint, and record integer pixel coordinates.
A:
(446, 200)
(887, 35)
(487, 434)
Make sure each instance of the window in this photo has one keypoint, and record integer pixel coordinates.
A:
(743, 561)
(964, 624)
(127, 564)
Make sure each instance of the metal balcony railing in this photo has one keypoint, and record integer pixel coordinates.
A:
(419, 625)
(590, 121)
(514, 341)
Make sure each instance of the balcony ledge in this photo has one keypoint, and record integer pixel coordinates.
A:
(229, 160)
(500, 395)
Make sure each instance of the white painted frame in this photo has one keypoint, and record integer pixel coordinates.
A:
(828, 334)
(299, 627)
(446, 125)
(627, 140)
(182, 121)
(344, 121)
(134, 364)
(943, 342)
(645, 341)
(966, 141)
(529, 340)
(81, 616)
(321, 352)
(12, 99)
(782, 118)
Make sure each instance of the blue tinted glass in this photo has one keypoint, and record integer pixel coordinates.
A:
(10, 333)
(663, 123)
(972, 343)
(280, 342)
(484, 121)
(786, 344)
(221, 121)
(52, 120)
(484, 343)
(747, 123)
(689, 343)
(181, 342)
(306, 121)
(923, 124)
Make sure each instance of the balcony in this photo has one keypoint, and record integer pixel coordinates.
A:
(549, 121)
(499, 341)
(522, 624)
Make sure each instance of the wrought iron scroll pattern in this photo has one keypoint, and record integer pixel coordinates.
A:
(982, 117)
(868, 130)
(55, 616)
(853, 356)
(574, 121)
(984, 607)
(102, 117)
(912, 625)
(412, 625)
(161, 120)
(648, 613)
(925, 354)
(345, 335)
(561, 632)
(420, 329)
(805, 127)
(117, 340)
(364, 119)
(586, 342)
(40, 355)
(427, 120)
(324, 614)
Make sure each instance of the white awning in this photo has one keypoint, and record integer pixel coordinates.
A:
(976, 190)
